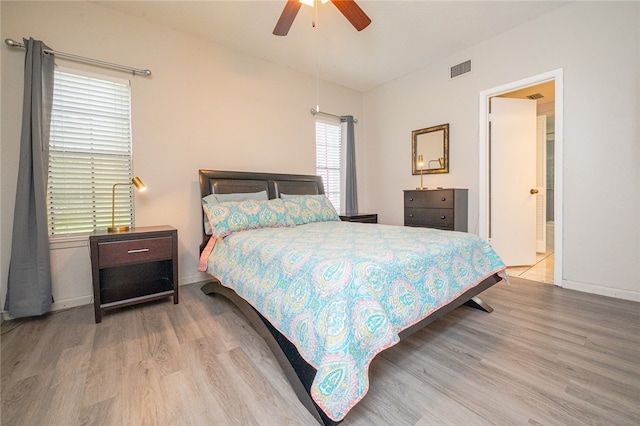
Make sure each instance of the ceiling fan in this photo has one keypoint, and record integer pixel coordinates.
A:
(348, 8)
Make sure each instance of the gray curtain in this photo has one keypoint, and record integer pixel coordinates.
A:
(29, 285)
(351, 188)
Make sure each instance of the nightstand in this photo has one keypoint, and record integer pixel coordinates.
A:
(359, 217)
(133, 267)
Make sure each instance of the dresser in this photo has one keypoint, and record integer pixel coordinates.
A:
(133, 267)
(445, 208)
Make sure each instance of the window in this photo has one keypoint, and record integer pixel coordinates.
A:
(328, 158)
(89, 151)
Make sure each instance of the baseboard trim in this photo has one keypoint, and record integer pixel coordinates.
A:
(72, 303)
(87, 300)
(194, 278)
(58, 306)
(617, 293)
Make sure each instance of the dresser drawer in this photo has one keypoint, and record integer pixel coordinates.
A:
(134, 251)
(433, 218)
(441, 198)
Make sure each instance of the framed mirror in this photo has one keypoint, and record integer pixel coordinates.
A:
(432, 146)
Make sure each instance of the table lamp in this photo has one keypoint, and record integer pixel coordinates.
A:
(141, 187)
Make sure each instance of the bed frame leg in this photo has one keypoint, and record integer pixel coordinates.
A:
(477, 303)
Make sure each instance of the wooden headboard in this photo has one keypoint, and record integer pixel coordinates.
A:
(226, 182)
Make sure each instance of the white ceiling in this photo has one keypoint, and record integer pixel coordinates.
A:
(403, 35)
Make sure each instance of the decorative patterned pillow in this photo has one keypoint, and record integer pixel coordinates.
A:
(290, 196)
(310, 208)
(221, 198)
(233, 216)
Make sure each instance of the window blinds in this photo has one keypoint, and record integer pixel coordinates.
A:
(90, 149)
(328, 146)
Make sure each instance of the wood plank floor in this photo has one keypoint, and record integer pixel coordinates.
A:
(544, 356)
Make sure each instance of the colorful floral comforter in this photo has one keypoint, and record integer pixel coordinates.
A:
(342, 291)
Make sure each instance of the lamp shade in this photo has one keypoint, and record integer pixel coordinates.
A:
(138, 183)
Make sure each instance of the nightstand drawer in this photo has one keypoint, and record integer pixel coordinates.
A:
(134, 251)
(437, 218)
(441, 198)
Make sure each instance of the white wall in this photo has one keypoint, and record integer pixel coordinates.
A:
(598, 46)
(208, 107)
(204, 107)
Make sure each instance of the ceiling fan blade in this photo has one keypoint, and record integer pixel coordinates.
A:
(353, 13)
(286, 19)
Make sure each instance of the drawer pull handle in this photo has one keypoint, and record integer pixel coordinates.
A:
(410, 199)
(410, 215)
(443, 199)
(443, 217)
(137, 251)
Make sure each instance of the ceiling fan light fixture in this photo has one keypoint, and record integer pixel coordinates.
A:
(310, 2)
(348, 8)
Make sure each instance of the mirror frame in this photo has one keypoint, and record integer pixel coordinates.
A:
(445, 149)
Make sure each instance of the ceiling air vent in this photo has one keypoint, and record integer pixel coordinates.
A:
(460, 69)
(535, 96)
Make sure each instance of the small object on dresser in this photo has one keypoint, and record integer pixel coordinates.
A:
(133, 267)
(137, 182)
(437, 208)
(359, 217)
(421, 165)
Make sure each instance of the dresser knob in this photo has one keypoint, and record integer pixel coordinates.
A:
(410, 199)
(411, 215)
(443, 199)
(442, 217)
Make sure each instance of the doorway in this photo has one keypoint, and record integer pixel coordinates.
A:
(549, 255)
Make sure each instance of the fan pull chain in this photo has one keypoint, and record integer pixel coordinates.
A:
(315, 33)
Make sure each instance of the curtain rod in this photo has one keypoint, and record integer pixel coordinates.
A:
(135, 71)
(315, 111)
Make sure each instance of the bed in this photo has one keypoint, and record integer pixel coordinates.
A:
(326, 295)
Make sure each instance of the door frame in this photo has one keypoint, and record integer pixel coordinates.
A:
(484, 167)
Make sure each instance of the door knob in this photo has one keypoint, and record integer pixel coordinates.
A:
(534, 191)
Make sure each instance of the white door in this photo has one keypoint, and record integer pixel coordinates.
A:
(512, 226)
(541, 180)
